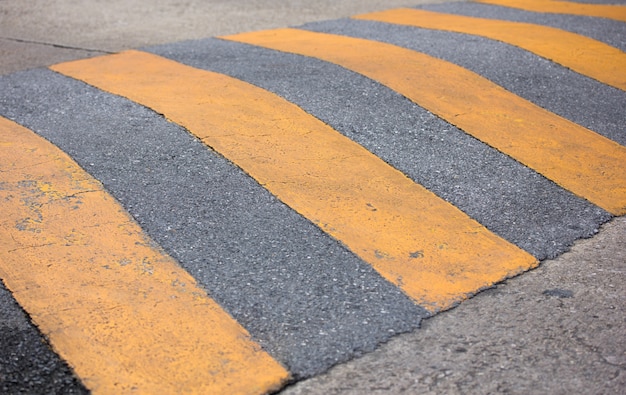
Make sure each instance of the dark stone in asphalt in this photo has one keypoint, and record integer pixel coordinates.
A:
(559, 293)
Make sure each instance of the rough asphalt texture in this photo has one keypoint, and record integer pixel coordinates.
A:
(508, 198)
(309, 301)
(605, 30)
(522, 337)
(536, 79)
(551, 340)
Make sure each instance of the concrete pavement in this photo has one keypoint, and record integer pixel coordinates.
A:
(584, 354)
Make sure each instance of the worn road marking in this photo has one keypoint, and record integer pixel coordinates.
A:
(584, 55)
(584, 162)
(426, 246)
(610, 11)
(123, 314)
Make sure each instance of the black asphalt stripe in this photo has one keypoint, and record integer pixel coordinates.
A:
(508, 198)
(309, 301)
(606, 30)
(545, 83)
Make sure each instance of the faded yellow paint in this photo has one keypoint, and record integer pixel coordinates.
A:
(123, 314)
(584, 55)
(610, 11)
(417, 241)
(574, 157)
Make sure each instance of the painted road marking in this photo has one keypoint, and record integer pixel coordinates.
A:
(584, 55)
(610, 11)
(123, 314)
(584, 162)
(417, 241)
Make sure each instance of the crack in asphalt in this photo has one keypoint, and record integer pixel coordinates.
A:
(19, 40)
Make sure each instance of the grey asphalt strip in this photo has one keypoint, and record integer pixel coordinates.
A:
(308, 301)
(511, 200)
(534, 78)
(606, 30)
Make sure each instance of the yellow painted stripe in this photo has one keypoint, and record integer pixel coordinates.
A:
(578, 159)
(417, 241)
(610, 11)
(123, 314)
(584, 55)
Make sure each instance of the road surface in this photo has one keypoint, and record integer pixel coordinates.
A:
(243, 212)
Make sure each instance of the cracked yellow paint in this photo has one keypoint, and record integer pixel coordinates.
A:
(584, 55)
(123, 314)
(584, 162)
(610, 11)
(385, 218)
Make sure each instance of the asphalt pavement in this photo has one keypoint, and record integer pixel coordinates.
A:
(308, 295)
